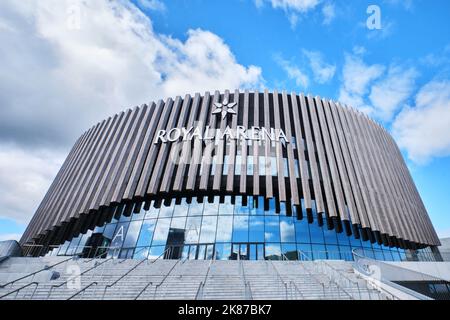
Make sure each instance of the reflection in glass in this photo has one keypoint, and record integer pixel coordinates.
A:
(273, 251)
(208, 231)
(224, 229)
(193, 225)
(195, 208)
(146, 235)
(256, 229)
(240, 229)
(272, 229)
(161, 232)
(226, 207)
(132, 234)
(287, 229)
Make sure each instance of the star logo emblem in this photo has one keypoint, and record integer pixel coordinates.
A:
(224, 108)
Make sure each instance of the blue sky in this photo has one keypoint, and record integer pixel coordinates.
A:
(100, 58)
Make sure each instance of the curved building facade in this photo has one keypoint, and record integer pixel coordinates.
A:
(248, 175)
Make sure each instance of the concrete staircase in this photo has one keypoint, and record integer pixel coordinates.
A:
(115, 279)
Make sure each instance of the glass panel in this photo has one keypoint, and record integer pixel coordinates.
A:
(140, 215)
(302, 230)
(167, 211)
(211, 208)
(244, 252)
(161, 232)
(208, 230)
(260, 248)
(240, 229)
(253, 252)
(256, 227)
(155, 252)
(287, 229)
(153, 212)
(195, 208)
(226, 207)
(201, 252)
(272, 229)
(209, 252)
(330, 235)
(223, 251)
(185, 253)
(146, 235)
(346, 253)
(132, 234)
(224, 229)
(193, 225)
(192, 252)
(273, 251)
(333, 252)
(239, 208)
(318, 251)
(181, 209)
(305, 251)
(289, 251)
(119, 235)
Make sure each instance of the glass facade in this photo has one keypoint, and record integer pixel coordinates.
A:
(223, 229)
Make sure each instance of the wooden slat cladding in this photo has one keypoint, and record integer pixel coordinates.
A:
(348, 164)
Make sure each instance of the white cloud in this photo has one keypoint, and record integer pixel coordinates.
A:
(293, 72)
(66, 65)
(323, 72)
(10, 236)
(378, 93)
(292, 8)
(356, 78)
(424, 130)
(357, 74)
(25, 176)
(152, 5)
(388, 94)
(295, 5)
(329, 13)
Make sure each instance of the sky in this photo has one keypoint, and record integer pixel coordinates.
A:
(67, 64)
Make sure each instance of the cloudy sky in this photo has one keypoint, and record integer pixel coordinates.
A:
(66, 64)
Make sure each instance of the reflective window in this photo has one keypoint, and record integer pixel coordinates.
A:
(146, 234)
(273, 251)
(287, 229)
(195, 208)
(132, 234)
(272, 229)
(193, 225)
(240, 229)
(226, 207)
(208, 231)
(224, 228)
(161, 232)
(256, 229)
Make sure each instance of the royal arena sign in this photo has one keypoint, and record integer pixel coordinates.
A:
(208, 134)
(240, 133)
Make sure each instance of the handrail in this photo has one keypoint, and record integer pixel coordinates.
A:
(124, 275)
(83, 290)
(310, 273)
(35, 272)
(199, 293)
(82, 273)
(23, 287)
(335, 278)
(247, 289)
(150, 282)
(362, 270)
(292, 283)
(280, 279)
